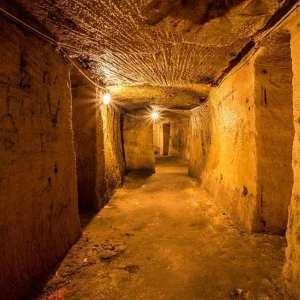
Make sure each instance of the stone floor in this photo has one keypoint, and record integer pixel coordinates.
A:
(163, 237)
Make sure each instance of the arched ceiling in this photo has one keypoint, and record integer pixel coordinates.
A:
(163, 43)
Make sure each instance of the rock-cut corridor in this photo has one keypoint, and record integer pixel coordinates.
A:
(162, 237)
(150, 149)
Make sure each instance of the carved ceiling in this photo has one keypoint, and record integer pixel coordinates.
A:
(162, 43)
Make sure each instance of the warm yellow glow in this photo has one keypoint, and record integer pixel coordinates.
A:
(155, 115)
(106, 98)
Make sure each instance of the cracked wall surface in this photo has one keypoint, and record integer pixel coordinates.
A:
(38, 191)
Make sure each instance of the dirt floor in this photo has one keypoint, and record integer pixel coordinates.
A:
(162, 237)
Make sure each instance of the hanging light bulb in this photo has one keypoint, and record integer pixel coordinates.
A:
(155, 115)
(106, 98)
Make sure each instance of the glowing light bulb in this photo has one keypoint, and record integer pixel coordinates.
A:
(106, 98)
(155, 115)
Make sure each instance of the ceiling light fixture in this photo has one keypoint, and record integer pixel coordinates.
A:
(154, 115)
(106, 98)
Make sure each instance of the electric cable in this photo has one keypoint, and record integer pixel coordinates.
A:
(54, 42)
(251, 55)
(50, 40)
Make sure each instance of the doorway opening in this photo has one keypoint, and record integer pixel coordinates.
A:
(171, 136)
(162, 138)
(166, 138)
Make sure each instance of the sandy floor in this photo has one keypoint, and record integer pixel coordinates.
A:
(161, 237)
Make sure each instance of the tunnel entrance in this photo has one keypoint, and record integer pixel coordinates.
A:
(275, 128)
(166, 138)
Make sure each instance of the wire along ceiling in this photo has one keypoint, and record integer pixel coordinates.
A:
(154, 42)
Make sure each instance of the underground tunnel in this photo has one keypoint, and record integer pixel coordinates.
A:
(150, 149)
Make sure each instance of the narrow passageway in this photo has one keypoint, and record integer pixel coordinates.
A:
(162, 237)
(150, 150)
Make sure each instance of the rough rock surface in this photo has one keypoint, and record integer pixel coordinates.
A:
(156, 42)
(245, 129)
(114, 164)
(292, 267)
(135, 98)
(200, 134)
(98, 144)
(223, 146)
(38, 191)
(138, 142)
(88, 136)
(179, 141)
(179, 133)
(180, 48)
(275, 132)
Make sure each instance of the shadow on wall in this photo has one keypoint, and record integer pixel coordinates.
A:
(98, 144)
(86, 217)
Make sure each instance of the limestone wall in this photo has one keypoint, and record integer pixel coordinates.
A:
(88, 136)
(179, 133)
(241, 144)
(38, 190)
(275, 134)
(114, 164)
(223, 147)
(237, 141)
(157, 138)
(200, 132)
(98, 145)
(292, 267)
(138, 143)
(179, 140)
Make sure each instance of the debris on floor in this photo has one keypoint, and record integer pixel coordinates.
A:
(111, 248)
(239, 294)
(59, 294)
(194, 203)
